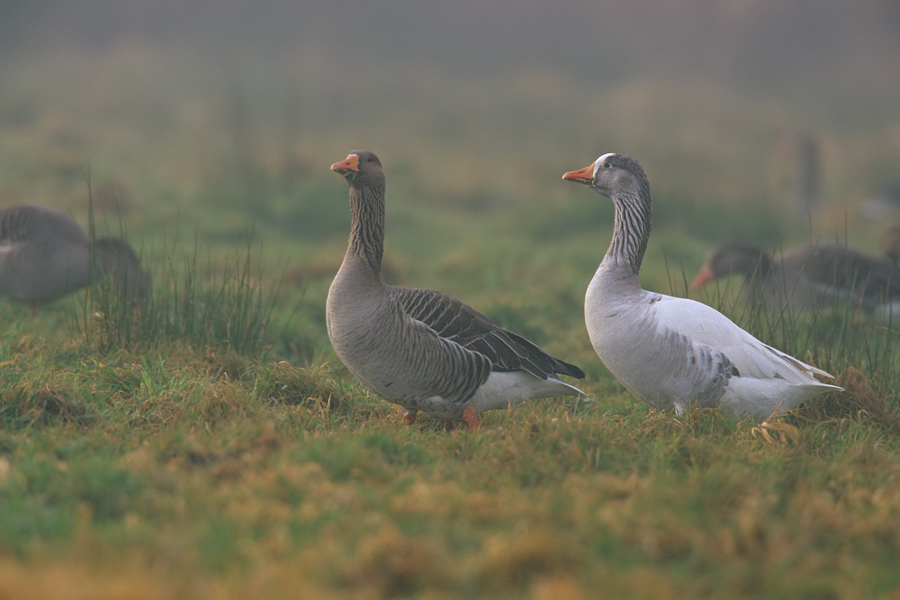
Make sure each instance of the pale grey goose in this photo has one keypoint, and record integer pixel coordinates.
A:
(421, 349)
(675, 353)
(807, 277)
(45, 254)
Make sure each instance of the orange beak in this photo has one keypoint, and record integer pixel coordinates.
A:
(585, 175)
(347, 166)
(703, 275)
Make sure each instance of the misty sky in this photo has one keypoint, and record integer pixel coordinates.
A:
(816, 45)
(690, 75)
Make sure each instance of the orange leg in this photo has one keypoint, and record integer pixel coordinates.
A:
(410, 417)
(470, 417)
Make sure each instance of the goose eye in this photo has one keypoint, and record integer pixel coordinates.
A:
(606, 165)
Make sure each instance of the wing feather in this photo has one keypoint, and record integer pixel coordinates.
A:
(463, 325)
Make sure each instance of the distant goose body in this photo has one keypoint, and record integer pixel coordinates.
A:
(421, 349)
(890, 244)
(45, 254)
(807, 277)
(674, 353)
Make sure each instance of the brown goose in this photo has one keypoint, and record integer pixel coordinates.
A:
(45, 254)
(807, 276)
(421, 349)
(675, 353)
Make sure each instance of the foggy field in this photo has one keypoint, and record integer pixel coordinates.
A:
(212, 445)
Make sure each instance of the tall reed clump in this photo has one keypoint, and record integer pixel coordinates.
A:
(195, 299)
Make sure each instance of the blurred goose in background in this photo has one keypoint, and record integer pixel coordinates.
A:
(121, 266)
(807, 276)
(884, 205)
(421, 349)
(45, 254)
(890, 245)
(675, 353)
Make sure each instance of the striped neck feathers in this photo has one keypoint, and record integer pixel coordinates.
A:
(367, 224)
(631, 229)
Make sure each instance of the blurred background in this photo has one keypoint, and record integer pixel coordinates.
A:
(757, 120)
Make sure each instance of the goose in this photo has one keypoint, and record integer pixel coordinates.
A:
(121, 265)
(45, 254)
(890, 244)
(675, 353)
(421, 349)
(807, 277)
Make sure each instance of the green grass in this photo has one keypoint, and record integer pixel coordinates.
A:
(205, 304)
(209, 443)
(188, 466)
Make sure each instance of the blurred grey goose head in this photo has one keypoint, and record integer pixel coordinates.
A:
(675, 353)
(45, 254)
(121, 267)
(421, 349)
(806, 277)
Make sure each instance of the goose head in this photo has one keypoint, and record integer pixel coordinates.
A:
(622, 180)
(613, 175)
(361, 169)
(744, 259)
(118, 261)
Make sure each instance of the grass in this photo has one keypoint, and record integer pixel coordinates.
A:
(209, 444)
(295, 480)
(190, 466)
(210, 304)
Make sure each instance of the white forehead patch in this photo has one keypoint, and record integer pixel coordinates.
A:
(600, 161)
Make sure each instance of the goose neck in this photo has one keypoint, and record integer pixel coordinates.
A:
(631, 231)
(367, 226)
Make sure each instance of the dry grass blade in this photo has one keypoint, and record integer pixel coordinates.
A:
(861, 402)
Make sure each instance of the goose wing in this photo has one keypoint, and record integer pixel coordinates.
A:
(28, 222)
(17, 223)
(752, 358)
(461, 324)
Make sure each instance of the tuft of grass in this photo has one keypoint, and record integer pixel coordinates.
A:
(24, 407)
(204, 303)
(861, 402)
